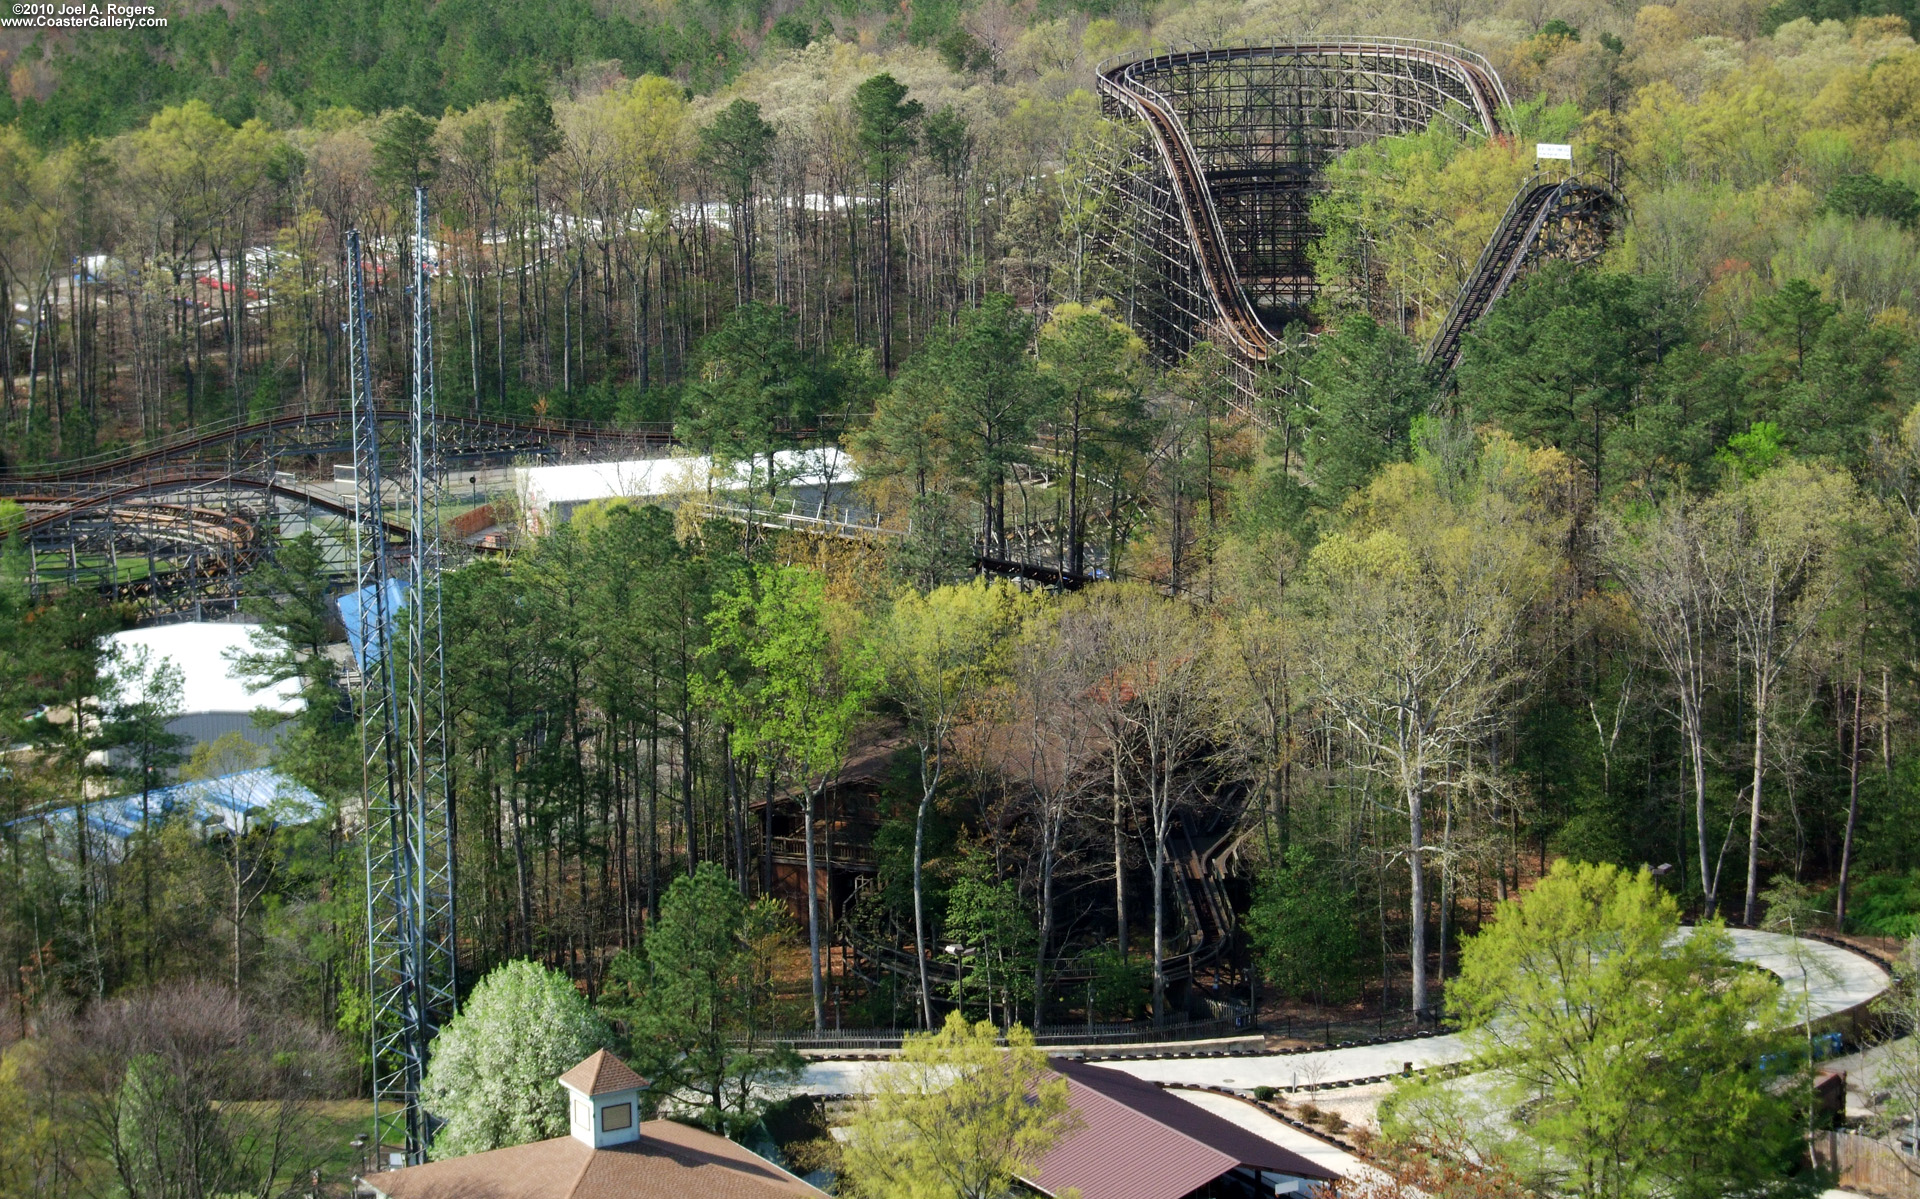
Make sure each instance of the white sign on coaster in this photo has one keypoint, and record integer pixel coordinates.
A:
(1554, 150)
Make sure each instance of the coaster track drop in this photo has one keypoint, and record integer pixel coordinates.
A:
(1214, 199)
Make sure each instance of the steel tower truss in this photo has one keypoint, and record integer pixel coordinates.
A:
(403, 728)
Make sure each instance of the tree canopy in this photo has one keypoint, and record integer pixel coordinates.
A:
(491, 1075)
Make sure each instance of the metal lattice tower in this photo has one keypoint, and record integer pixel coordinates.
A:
(409, 823)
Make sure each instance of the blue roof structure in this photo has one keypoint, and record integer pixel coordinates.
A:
(250, 798)
(350, 605)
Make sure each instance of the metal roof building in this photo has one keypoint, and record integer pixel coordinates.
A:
(608, 1153)
(1136, 1141)
(549, 494)
(234, 802)
(213, 699)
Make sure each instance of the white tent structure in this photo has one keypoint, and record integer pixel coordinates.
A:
(548, 495)
(213, 698)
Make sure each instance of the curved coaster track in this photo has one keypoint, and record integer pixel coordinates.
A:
(1215, 195)
(179, 523)
(1567, 219)
(262, 444)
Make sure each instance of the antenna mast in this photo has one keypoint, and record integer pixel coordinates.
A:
(403, 726)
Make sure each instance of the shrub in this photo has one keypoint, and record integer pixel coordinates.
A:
(1885, 905)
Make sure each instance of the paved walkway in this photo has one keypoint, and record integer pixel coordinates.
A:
(1833, 979)
(1251, 1118)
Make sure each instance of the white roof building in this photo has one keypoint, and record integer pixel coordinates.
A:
(551, 493)
(213, 698)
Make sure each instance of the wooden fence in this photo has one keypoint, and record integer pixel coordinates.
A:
(1868, 1165)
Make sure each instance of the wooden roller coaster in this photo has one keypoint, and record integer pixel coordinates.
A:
(1215, 199)
(179, 523)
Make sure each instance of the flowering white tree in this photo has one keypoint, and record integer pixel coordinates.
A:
(492, 1071)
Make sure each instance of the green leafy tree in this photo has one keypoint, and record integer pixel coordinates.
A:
(938, 548)
(1118, 982)
(737, 147)
(291, 596)
(1096, 366)
(797, 681)
(1366, 386)
(990, 398)
(404, 155)
(948, 141)
(531, 130)
(992, 928)
(490, 1078)
(958, 1117)
(702, 999)
(906, 437)
(1302, 929)
(1633, 1054)
(1420, 607)
(1564, 359)
(1788, 322)
(1864, 195)
(941, 655)
(146, 697)
(749, 377)
(1827, 379)
(14, 575)
(886, 122)
(67, 664)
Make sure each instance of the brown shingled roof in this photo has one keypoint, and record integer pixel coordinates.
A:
(602, 1073)
(1135, 1141)
(669, 1161)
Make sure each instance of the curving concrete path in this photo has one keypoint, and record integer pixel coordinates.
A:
(1830, 978)
(1826, 978)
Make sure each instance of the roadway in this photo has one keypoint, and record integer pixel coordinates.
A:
(1832, 980)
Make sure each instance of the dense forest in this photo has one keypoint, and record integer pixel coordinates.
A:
(1636, 584)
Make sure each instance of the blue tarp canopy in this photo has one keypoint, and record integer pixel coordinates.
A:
(350, 605)
(255, 798)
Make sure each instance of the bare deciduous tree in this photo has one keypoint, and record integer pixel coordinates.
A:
(1659, 563)
(1421, 608)
(192, 1094)
(1767, 546)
